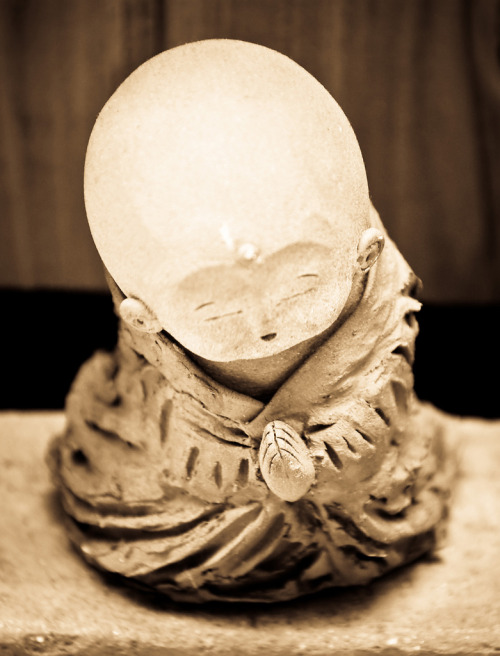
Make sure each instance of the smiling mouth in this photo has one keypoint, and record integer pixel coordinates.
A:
(268, 337)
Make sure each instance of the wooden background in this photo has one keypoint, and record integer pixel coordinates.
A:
(418, 79)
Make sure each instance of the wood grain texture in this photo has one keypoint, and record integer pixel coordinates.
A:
(410, 92)
(61, 61)
(419, 80)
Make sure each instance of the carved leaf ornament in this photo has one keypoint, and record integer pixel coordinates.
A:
(285, 463)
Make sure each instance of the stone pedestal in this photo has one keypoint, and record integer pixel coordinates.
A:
(51, 602)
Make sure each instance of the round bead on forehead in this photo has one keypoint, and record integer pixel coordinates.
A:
(244, 252)
(248, 253)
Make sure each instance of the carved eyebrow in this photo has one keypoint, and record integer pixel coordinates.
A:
(203, 305)
(308, 275)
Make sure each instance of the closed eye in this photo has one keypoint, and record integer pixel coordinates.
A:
(308, 275)
(223, 316)
(289, 298)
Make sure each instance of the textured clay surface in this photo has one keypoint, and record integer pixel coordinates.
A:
(52, 603)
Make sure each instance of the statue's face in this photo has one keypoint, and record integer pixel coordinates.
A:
(257, 308)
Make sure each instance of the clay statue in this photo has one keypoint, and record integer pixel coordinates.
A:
(255, 435)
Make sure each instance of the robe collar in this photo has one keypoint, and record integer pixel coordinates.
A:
(330, 370)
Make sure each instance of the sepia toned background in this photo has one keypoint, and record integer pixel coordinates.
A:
(418, 79)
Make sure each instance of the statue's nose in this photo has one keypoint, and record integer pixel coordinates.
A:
(268, 337)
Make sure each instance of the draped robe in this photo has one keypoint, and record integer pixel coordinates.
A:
(159, 476)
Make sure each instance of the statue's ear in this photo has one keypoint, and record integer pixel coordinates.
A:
(137, 314)
(370, 246)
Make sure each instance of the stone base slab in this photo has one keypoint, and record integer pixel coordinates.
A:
(51, 602)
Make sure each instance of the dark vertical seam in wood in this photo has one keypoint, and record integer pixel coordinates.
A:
(161, 17)
(59, 148)
(488, 214)
(13, 17)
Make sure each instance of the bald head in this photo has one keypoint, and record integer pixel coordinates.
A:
(216, 154)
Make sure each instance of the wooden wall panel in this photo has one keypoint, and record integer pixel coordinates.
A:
(61, 59)
(485, 49)
(419, 81)
(409, 87)
(414, 79)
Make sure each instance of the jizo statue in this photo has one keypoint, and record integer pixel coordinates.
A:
(255, 435)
